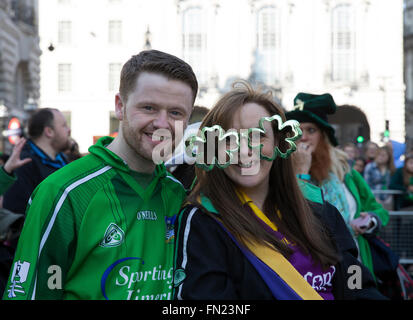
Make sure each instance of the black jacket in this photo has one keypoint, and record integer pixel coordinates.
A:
(214, 268)
(29, 176)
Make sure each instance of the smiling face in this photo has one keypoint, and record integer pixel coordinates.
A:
(250, 171)
(155, 103)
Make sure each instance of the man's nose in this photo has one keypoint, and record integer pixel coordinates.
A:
(161, 121)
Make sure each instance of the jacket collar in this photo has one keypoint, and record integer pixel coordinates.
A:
(57, 163)
(110, 158)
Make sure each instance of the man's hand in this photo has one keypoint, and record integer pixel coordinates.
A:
(14, 160)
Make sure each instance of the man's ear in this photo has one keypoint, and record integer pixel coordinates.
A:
(48, 132)
(119, 107)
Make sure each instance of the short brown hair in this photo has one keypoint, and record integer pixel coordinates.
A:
(39, 120)
(159, 62)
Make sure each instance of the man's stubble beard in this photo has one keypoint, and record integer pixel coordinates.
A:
(60, 147)
(132, 139)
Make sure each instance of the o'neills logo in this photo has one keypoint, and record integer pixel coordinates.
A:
(146, 215)
(130, 279)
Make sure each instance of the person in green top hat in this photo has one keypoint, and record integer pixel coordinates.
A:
(315, 108)
(318, 160)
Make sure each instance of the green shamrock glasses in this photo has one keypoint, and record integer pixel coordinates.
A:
(229, 143)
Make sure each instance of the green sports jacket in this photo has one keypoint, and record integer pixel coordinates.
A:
(366, 202)
(92, 232)
(6, 180)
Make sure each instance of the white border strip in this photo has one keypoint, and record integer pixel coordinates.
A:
(59, 206)
(184, 253)
(174, 179)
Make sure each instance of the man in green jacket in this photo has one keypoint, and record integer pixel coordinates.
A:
(102, 227)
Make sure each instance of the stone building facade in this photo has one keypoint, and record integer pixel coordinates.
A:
(19, 61)
(343, 47)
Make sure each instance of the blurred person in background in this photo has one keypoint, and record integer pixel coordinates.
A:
(48, 138)
(72, 152)
(184, 171)
(359, 165)
(402, 180)
(378, 174)
(318, 160)
(352, 152)
(370, 151)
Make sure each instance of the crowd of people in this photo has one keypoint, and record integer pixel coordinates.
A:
(286, 220)
(392, 186)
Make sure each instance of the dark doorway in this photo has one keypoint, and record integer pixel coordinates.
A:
(350, 122)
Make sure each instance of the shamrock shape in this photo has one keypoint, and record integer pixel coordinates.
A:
(295, 128)
(195, 140)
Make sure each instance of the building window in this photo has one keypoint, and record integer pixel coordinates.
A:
(114, 74)
(268, 44)
(65, 32)
(343, 43)
(20, 85)
(115, 32)
(65, 77)
(194, 42)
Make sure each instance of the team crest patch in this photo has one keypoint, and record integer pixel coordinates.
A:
(113, 237)
(18, 277)
(170, 233)
(179, 277)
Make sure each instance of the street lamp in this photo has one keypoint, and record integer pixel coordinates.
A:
(148, 37)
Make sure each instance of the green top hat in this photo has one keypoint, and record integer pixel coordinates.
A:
(314, 108)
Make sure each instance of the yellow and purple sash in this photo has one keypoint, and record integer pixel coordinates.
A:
(284, 281)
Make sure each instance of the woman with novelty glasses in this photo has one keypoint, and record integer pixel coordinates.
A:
(247, 231)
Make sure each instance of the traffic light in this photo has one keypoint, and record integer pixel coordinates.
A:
(386, 133)
(360, 137)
